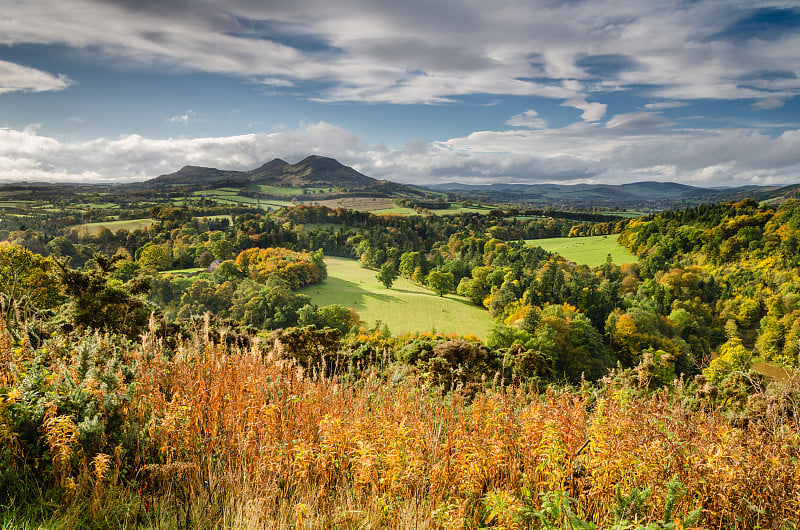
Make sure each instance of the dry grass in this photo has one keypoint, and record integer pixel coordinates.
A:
(244, 439)
(257, 442)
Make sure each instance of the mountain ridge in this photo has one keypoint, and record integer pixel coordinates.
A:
(312, 170)
(316, 171)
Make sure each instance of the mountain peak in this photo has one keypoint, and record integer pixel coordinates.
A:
(272, 164)
(321, 162)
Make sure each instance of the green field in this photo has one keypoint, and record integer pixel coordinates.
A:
(191, 270)
(591, 251)
(288, 190)
(397, 210)
(127, 224)
(222, 216)
(625, 214)
(454, 209)
(231, 196)
(96, 205)
(16, 204)
(457, 209)
(405, 307)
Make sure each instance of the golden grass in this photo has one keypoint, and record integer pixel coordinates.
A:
(245, 439)
(291, 448)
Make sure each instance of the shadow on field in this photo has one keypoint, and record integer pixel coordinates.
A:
(406, 291)
(352, 293)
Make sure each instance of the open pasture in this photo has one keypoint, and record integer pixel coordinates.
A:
(289, 190)
(127, 224)
(405, 307)
(363, 204)
(591, 251)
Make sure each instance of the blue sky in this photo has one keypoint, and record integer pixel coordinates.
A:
(702, 92)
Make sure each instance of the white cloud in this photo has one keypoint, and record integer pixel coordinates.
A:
(640, 122)
(630, 147)
(18, 78)
(529, 119)
(25, 155)
(769, 103)
(591, 111)
(663, 105)
(182, 119)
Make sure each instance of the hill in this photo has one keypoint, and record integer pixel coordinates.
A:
(648, 194)
(311, 171)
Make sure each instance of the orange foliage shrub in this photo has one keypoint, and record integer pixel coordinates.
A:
(296, 268)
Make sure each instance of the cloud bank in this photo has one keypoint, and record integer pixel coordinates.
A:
(627, 148)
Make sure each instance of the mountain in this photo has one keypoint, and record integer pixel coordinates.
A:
(311, 171)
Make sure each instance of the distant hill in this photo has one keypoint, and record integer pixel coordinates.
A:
(648, 194)
(324, 172)
(311, 171)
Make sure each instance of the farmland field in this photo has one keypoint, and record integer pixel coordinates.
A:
(456, 208)
(591, 251)
(363, 204)
(405, 307)
(289, 190)
(128, 224)
(397, 210)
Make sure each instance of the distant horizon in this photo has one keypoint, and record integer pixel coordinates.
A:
(450, 182)
(701, 93)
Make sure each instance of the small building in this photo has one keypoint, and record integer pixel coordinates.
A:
(213, 265)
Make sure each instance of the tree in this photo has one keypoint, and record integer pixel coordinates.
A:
(98, 301)
(155, 257)
(441, 282)
(227, 271)
(205, 259)
(28, 286)
(337, 317)
(387, 275)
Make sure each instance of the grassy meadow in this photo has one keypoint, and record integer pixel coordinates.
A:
(127, 224)
(591, 251)
(407, 306)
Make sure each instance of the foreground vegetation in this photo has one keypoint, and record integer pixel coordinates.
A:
(211, 436)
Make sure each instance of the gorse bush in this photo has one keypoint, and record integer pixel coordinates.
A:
(64, 415)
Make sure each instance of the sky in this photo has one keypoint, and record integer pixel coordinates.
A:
(702, 92)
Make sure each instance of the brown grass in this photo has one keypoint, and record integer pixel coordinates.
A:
(255, 441)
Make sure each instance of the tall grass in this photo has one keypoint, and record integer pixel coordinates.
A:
(265, 441)
(243, 439)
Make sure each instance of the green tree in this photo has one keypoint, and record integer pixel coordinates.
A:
(387, 275)
(155, 257)
(337, 317)
(98, 301)
(441, 282)
(227, 271)
(28, 286)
